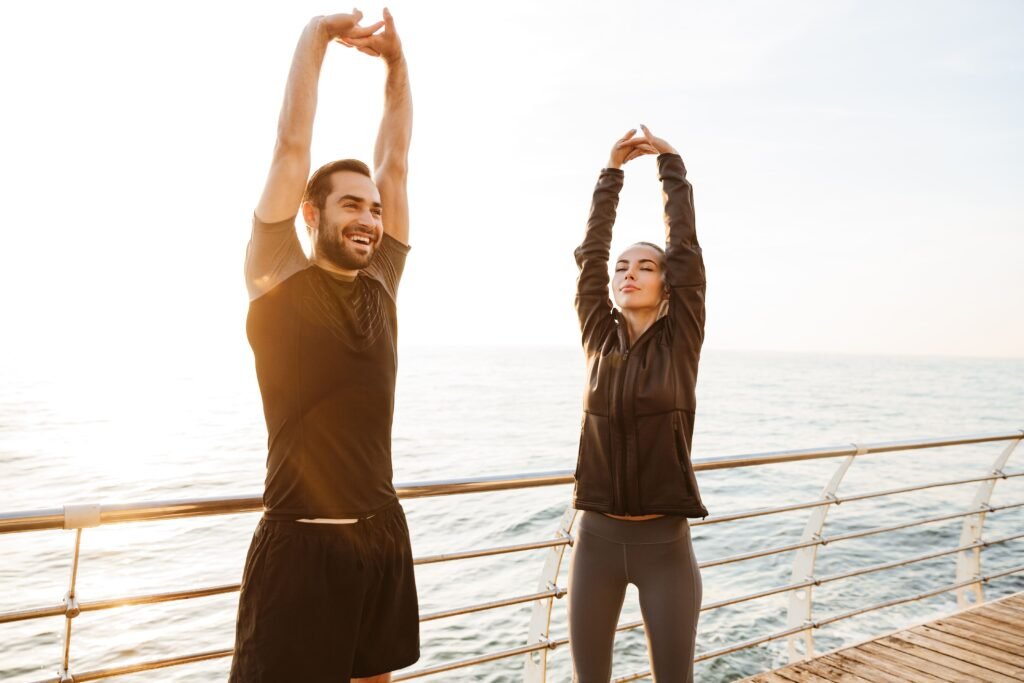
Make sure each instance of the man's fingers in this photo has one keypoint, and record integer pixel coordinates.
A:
(389, 20)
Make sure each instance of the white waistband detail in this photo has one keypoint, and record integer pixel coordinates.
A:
(322, 520)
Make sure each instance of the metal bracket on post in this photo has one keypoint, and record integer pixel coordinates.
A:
(968, 562)
(801, 600)
(540, 623)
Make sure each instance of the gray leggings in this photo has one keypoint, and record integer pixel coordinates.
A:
(657, 557)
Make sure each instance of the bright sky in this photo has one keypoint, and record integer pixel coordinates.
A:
(858, 167)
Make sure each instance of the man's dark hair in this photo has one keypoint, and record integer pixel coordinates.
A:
(319, 186)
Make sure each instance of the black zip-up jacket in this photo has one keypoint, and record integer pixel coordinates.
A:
(639, 402)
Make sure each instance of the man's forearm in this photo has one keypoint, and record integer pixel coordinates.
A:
(391, 152)
(289, 167)
(295, 125)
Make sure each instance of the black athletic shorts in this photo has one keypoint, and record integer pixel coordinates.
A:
(327, 602)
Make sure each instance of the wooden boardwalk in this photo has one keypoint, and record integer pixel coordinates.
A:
(984, 643)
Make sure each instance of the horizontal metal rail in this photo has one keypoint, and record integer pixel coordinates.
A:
(482, 659)
(488, 552)
(556, 592)
(56, 610)
(552, 644)
(838, 500)
(818, 623)
(38, 520)
(817, 581)
(152, 665)
(110, 603)
(855, 534)
(913, 560)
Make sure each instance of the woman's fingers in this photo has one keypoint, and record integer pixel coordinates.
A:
(365, 31)
(631, 142)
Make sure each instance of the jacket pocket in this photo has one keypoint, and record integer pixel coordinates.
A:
(594, 462)
(662, 480)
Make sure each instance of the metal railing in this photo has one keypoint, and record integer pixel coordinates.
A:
(799, 631)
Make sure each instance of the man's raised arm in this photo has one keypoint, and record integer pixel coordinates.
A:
(289, 168)
(391, 153)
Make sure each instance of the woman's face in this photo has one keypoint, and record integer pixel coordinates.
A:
(638, 282)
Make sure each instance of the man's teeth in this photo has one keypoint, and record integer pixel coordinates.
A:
(361, 239)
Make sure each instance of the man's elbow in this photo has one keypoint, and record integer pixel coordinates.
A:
(392, 170)
(290, 146)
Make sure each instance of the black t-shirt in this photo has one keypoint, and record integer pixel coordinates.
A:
(326, 359)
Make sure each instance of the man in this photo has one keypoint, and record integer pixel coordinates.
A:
(328, 592)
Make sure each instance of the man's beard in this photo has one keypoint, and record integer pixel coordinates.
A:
(330, 244)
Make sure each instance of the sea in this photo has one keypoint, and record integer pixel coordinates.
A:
(174, 432)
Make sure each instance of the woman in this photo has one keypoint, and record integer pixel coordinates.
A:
(634, 481)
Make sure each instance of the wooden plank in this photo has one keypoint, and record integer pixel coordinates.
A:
(1017, 599)
(985, 622)
(1012, 610)
(830, 672)
(892, 662)
(1009, 614)
(869, 673)
(985, 643)
(795, 673)
(767, 677)
(966, 629)
(944, 666)
(920, 660)
(964, 660)
(974, 642)
(1004, 630)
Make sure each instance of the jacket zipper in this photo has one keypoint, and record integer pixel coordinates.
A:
(627, 425)
(624, 469)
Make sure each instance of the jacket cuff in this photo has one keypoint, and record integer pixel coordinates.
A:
(610, 180)
(671, 165)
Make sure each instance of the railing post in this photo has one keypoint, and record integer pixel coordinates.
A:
(968, 562)
(540, 623)
(71, 610)
(76, 517)
(801, 600)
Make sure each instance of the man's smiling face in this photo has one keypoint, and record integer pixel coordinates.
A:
(349, 227)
